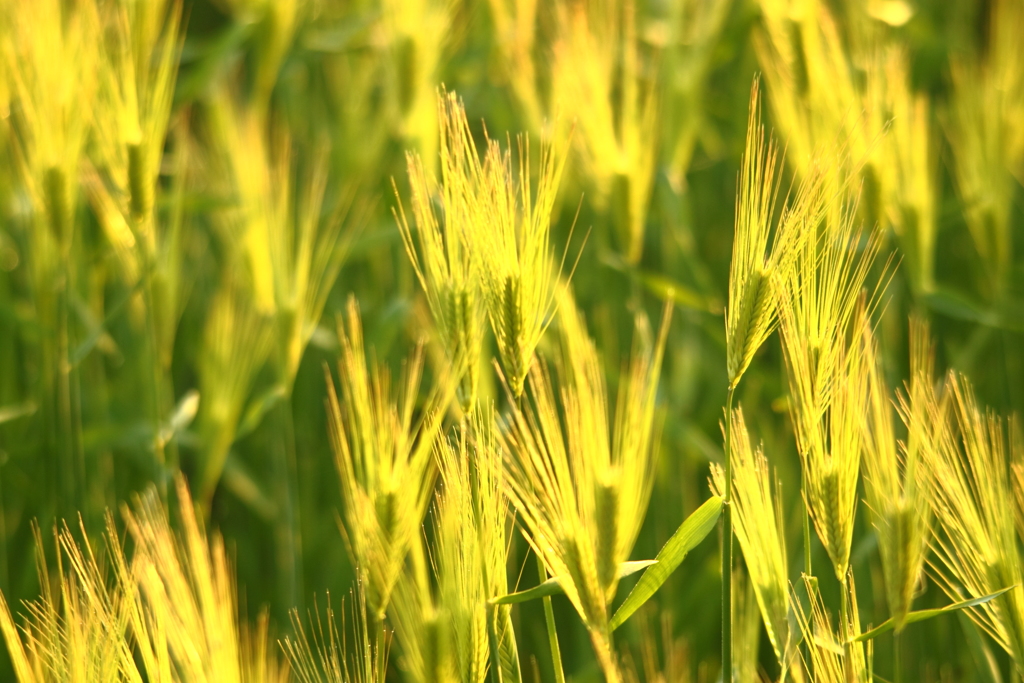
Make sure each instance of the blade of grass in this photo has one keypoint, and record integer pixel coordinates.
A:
(921, 615)
(689, 534)
(553, 586)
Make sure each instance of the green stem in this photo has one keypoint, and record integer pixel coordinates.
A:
(289, 531)
(161, 382)
(807, 531)
(74, 473)
(549, 620)
(897, 656)
(727, 546)
(844, 627)
(492, 641)
(605, 650)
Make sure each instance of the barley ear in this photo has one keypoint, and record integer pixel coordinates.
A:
(758, 524)
(750, 316)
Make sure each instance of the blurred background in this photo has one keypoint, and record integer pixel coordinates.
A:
(263, 146)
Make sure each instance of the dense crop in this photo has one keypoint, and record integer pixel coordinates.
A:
(466, 311)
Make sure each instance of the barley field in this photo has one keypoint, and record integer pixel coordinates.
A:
(489, 341)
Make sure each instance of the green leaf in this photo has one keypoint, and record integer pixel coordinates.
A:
(182, 416)
(921, 615)
(237, 479)
(209, 60)
(666, 288)
(689, 534)
(258, 408)
(13, 412)
(549, 587)
(553, 585)
(985, 662)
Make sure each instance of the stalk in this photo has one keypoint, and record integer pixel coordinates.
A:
(897, 659)
(602, 639)
(549, 621)
(727, 546)
(288, 527)
(163, 389)
(807, 541)
(844, 631)
(141, 193)
(492, 643)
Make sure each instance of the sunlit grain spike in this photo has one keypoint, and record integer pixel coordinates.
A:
(326, 657)
(513, 239)
(383, 455)
(976, 547)
(448, 268)
(750, 316)
(581, 485)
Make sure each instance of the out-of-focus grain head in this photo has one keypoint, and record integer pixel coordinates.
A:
(600, 82)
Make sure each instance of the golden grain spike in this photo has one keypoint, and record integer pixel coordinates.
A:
(78, 631)
(822, 307)
(446, 265)
(581, 485)
(899, 492)
(826, 658)
(183, 600)
(383, 456)
(513, 238)
(976, 551)
(51, 57)
(750, 316)
(236, 343)
(325, 657)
